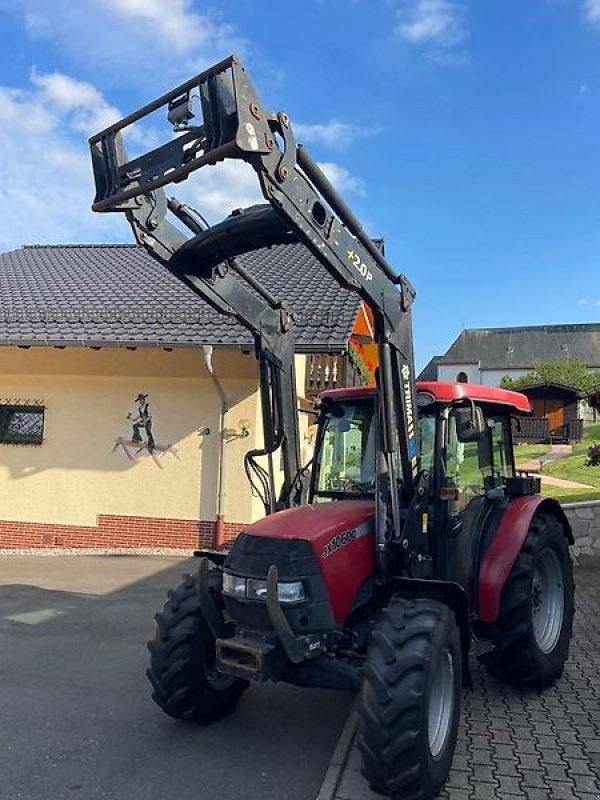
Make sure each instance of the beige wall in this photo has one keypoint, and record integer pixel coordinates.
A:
(73, 476)
(233, 482)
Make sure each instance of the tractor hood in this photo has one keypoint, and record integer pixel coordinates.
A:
(316, 523)
(341, 537)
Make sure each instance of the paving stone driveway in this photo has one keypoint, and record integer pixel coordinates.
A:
(515, 744)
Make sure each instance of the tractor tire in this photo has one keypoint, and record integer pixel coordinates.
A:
(532, 634)
(410, 699)
(184, 681)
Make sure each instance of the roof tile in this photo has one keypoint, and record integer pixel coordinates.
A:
(519, 347)
(118, 294)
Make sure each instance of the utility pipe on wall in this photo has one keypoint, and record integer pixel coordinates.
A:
(220, 518)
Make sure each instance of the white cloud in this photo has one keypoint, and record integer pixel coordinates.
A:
(217, 191)
(123, 38)
(342, 179)
(591, 11)
(85, 108)
(331, 134)
(437, 22)
(175, 25)
(45, 172)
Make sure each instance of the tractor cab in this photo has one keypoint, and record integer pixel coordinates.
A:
(466, 454)
(465, 441)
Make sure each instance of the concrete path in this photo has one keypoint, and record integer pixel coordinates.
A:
(564, 484)
(557, 451)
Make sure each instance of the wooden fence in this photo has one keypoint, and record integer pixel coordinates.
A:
(537, 429)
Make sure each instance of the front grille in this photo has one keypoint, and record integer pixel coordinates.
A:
(251, 556)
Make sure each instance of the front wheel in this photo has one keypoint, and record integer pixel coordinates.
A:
(182, 670)
(532, 634)
(410, 699)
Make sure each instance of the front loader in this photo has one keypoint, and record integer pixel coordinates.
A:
(415, 535)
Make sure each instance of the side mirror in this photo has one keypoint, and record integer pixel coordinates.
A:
(470, 424)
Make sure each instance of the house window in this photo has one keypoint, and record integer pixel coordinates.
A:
(462, 377)
(21, 424)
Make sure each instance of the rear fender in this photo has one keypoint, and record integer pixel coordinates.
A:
(506, 544)
(452, 595)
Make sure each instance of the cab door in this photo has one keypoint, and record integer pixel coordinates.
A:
(473, 475)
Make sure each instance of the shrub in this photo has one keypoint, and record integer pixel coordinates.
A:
(593, 453)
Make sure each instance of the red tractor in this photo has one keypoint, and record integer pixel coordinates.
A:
(412, 534)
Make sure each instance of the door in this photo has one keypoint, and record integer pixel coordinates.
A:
(555, 413)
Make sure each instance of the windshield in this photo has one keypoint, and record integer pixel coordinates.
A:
(345, 463)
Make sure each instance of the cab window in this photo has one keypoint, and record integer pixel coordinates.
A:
(346, 462)
(471, 468)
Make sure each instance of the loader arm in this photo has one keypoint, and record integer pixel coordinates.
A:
(234, 125)
(268, 320)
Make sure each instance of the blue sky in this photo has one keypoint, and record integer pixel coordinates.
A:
(465, 133)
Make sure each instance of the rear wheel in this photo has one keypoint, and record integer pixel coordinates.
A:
(533, 632)
(182, 666)
(410, 699)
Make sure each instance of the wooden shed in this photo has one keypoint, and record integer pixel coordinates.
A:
(555, 414)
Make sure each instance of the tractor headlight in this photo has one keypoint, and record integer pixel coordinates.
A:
(290, 592)
(233, 585)
(256, 589)
(286, 592)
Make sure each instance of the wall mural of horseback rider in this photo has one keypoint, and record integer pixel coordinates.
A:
(142, 437)
(142, 420)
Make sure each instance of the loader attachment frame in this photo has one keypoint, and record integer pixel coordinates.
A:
(218, 115)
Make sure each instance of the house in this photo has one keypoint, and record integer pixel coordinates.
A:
(110, 427)
(487, 355)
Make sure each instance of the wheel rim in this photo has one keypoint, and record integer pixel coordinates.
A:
(548, 600)
(441, 703)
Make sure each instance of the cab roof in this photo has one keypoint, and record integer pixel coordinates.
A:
(446, 392)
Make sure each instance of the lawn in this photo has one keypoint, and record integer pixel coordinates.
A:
(570, 495)
(572, 468)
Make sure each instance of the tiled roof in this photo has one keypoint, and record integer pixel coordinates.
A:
(514, 348)
(102, 295)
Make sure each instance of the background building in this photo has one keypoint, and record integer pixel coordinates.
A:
(486, 355)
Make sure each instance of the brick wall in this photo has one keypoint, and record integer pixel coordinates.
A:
(585, 522)
(115, 532)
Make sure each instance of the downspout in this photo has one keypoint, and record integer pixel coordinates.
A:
(220, 518)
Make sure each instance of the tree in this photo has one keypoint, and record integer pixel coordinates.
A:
(566, 371)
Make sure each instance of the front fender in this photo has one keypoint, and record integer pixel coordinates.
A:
(506, 545)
